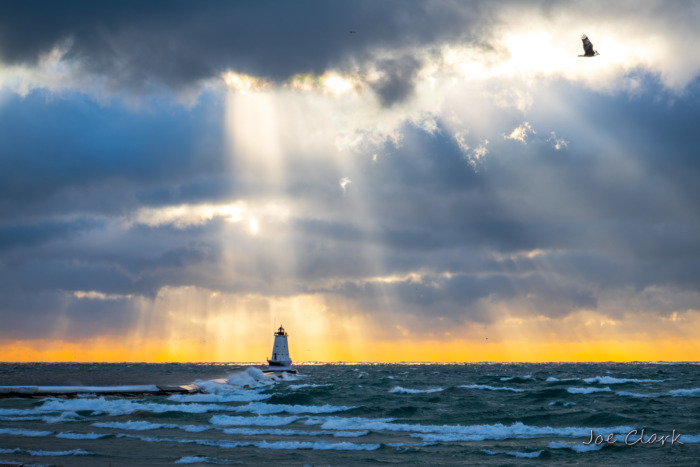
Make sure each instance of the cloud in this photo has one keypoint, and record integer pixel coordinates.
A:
(521, 132)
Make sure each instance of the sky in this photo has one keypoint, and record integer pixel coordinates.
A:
(391, 181)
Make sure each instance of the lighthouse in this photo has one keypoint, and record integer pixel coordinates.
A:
(280, 360)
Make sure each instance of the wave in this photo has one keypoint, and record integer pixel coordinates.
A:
(400, 390)
(71, 435)
(21, 432)
(634, 394)
(350, 420)
(587, 390)
(284, 432)
(517, 379)
(561, 403)
(125, 407)
(74, 452)
(18, 412)
(578, 447)
(529, 455)
(63, 417)
(490, 388)
(202, 460)
(260, 420)
(261, 408)
(611, 380)
(144, 425)
(685, 392)
(295, 387)
(249, 396)
(249, 379)
(690, 439)
(316, 445)
(23, 418)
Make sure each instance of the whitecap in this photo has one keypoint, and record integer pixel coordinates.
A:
(71, 435)
(349, 420)
(689, 439)
(588, 390)
(202, 460)
(126, 407)
(269, 420)
(21, 418)
(284, 432)
(193, 460)
(562, 403)
(64, 417)
(611, 380)
(490, 388)
(294, 387)
(143, 425)
(20, 412)
(285, 445)
(316, 445)
(685, 392)
(247, 396)
(74, 452)
(530, 455)
(21, 432)
(578, 447)
(552, 379)
(262, 408)
(634, 394)
(400, 390)
(510, 378)
(9, 451)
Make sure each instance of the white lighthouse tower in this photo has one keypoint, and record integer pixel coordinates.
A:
(280, 360)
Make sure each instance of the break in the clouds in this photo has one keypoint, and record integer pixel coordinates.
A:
(444, 164)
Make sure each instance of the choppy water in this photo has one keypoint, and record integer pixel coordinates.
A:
(357, 414)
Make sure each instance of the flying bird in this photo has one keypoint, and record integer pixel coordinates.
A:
(588, 47)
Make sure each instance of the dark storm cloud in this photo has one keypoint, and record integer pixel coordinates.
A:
(176, 43)
(398, 79)
(55, 152)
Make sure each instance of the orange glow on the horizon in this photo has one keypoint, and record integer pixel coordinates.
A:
(158, 351)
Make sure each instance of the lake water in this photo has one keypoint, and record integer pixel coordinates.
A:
(342, 414)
